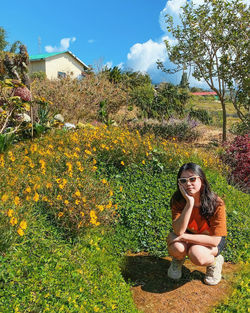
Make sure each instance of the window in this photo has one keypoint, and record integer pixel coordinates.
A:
(61, 74)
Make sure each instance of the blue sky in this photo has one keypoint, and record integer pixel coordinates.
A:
(125, 33)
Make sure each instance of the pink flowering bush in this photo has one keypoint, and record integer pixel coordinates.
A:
(237, 156)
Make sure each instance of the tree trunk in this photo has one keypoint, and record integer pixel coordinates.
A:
(224, 127)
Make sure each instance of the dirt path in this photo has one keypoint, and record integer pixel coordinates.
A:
(154, 292)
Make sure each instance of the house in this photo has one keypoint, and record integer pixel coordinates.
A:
(57, 65)
(204, 93)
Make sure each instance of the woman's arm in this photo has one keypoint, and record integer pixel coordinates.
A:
(181, 223)
(199, 239)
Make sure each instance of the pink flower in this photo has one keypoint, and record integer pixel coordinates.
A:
(23, 92)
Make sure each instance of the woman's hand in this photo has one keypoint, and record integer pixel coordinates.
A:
(186, 196)
(172, 238)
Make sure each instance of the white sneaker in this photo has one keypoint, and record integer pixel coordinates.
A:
(175, 269)
(213, 274)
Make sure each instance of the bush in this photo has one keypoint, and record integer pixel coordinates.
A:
(236, 156)
(79, 100)
(201, 115)
(240, 128)
(181, 130)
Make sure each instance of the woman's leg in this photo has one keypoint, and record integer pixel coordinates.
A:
(201, 255)
(178, 250)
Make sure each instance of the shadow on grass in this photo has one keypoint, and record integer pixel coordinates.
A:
(151, 274)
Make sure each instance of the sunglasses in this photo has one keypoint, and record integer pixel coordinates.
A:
(190, 179)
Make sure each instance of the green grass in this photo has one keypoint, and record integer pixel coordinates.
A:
(214, 108)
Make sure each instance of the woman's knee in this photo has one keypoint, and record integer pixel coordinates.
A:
(200, 255)
(176, 249)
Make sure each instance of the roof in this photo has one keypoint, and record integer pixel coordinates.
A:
(37, 57)
(204, 93)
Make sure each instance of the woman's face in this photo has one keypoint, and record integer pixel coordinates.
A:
(193, 185)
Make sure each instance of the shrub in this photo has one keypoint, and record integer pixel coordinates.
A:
(202, 115)
(240, 128)
(79, 100)
(143, 97)
(236, 156)
(181, 130)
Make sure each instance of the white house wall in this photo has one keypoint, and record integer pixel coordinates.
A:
(62, 63)
(37, 66)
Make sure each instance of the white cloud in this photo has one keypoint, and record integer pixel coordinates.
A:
(143, 56)
(120, 65)
(109, 64)
(91, 41)
(64, 45)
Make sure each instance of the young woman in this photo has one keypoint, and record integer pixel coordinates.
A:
(199, 225)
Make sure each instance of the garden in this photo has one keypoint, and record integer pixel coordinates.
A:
(88, 167)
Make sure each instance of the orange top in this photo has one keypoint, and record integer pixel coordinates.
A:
(198, 224)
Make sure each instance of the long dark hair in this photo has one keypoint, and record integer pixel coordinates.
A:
(209, 200)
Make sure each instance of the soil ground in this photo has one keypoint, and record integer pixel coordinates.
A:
(154, 292)
(210, 136)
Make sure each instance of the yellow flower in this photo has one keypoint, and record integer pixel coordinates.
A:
(59, 197)
(92, 214)
(13, 221)
(10, 213)
(42, 162)
(5, 197)
(109, 205)
(23, 225)
(82, 214)
(17, 200)
(87, 152)
(104, 181)
(143, 162)
(121, 188)
(122, 163)
(36, 197)
(66, 202)
(94, 161)
(77, 202)
(12, 158)
(100, 207)
(20, 232)
(48, 185)
(60, 214)
(28, 189)
(111, 193)
(77, 193)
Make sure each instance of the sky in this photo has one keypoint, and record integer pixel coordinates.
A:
(125, 33)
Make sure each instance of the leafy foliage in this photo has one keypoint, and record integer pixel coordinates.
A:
(237, 157)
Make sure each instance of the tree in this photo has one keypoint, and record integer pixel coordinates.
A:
(184, 80)
(4, 43)
(213, 40)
